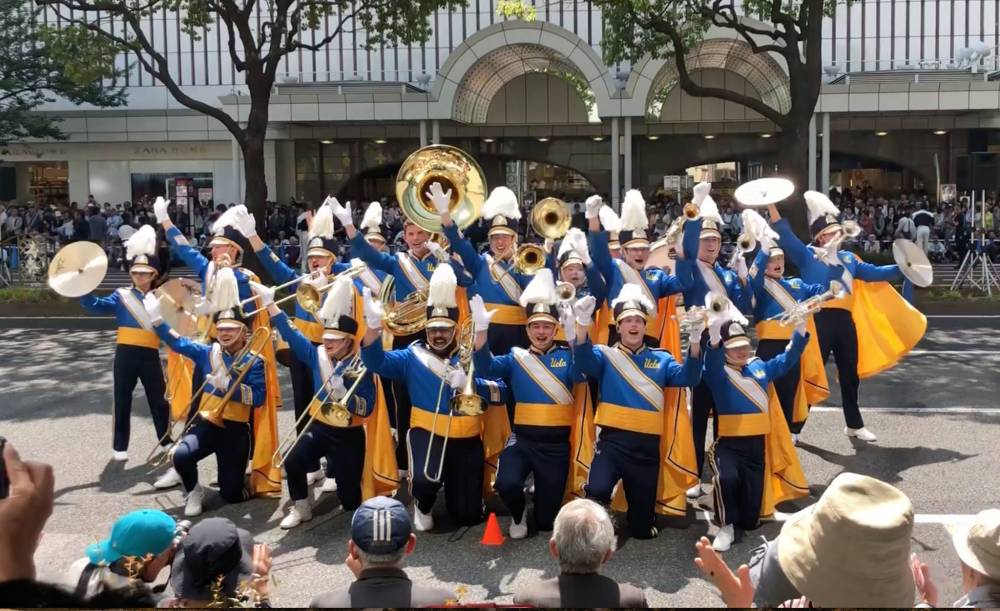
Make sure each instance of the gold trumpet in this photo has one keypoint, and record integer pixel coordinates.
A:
(550, 218)
(465, 403)
(801, 310)
(213, 407)
(454, 169)
(335, 413)
(565, 291)
(310, 297)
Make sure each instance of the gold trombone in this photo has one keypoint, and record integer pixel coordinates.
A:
(466, 403)
(308, 295)
(335, 413)
(302, 279)
(212, 406)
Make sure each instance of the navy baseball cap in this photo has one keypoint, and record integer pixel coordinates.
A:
(147, 531)
(381, 525)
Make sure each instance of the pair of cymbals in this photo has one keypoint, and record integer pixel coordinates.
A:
(763, 192)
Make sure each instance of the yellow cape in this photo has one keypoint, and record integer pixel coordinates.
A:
(179, 372)
(784, 479)
(380, 474)
(495, 432)
(265, 479)
(888, 326)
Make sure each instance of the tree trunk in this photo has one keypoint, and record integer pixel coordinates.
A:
(793, 163)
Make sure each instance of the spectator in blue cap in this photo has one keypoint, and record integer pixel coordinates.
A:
(381, 538)
(140, 545)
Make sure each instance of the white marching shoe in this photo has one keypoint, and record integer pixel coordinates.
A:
(694, 492)
(315, 476)
(519, 529)
(422, 521)
(119, 456)
(299, 513)
(329, 485)
(195, 499)
(863, 434)
(724, 539)
(168, 480)
(795, 439)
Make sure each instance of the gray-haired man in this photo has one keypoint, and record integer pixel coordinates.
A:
(583, 539)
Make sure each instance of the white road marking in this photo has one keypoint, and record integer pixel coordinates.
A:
(974, 352)
(944, 519)
(963, 316)
(961, 409)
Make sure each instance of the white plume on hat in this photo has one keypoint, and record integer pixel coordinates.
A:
(709, 210)
(632, 292)
(226, 295)
(142, 242)
(700, 192)
(541, 289)
(609, 219)
(339, 301)
(373, 217)
(818, 204)
(574, 240)
(755, 225)
(443, 285)
(634, 212)
(229, 218)
(501, 201)
(322, 223)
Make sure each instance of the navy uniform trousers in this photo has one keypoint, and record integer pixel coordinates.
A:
(702, 405)
(398, 401)
(738, 467)
(462, 475)
(231, 445)
(837, 334)
(546, 455)
(633, 458)
(785, 386)
(344, 449)
(132, 364)
(302, 393)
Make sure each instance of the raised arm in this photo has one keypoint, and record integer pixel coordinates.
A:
(597, 241)
(93, 304)
(361, 249)
(783, 363)
(187, 253)
(791, 244)
(587, 359)
(490, 366)
(668, 284)
(715, 364)
(181, 345)
(461, 245)
(874, 273)
(275, 266)
(391, 365)
(690, 239)
(686, 375)
(596, 283)
(757, 274)
(303, 349)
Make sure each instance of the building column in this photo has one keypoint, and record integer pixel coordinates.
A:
(423, 133)
(238, 186)
(615, 160)
(825, 168)
(812, 153)
(436, 132)
(628, 153)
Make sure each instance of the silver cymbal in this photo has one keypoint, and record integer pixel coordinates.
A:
(177, 306)
(913, 263)
(77, 269)
(763, 192)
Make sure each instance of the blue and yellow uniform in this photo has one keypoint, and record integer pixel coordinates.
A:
(630, 421)
(137, 357)
(739, 455)
(542, 385)
(231, 442)
(343, 446)
(706, 279)
(836, 323)
(197, 262)
(423, 372)
(772, 297)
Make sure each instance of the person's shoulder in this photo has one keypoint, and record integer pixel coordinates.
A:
(425, 596)
(539, 593)
(631, 596)
(340, 597)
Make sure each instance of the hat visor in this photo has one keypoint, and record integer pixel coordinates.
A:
(501, 230)
(775, 252)
(142, 268)
(737, 342)
(571, 261)
(631, 312)
(839, 574)
(709, 233)
(440, 323)
(230, 324)
(336, 334)
(186, 584)
(101, 552)
(831, 228)
(375, 237)
(319, 252)
(224, 241)
(542, 317)
(636, 243)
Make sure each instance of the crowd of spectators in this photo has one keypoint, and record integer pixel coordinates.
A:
(852, 548)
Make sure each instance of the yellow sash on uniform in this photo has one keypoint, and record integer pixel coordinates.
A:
(784, 479)
(888, 326)
(265, 479)
(581, 442)
(380, 473)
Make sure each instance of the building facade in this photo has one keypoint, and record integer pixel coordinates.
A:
(912, 99)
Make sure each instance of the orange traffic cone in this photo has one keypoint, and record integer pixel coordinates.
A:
(492, 534)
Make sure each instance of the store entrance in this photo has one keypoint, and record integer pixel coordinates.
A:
(44, 182)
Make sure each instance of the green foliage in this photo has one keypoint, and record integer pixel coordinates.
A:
(30, 295)
(35, 68)
(516, 9)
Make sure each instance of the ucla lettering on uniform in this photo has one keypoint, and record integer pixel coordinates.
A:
(557, 362)
(650, 364)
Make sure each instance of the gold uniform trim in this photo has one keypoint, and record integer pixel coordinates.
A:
(507, 314)
(132, 336)
(744, 425)
(629, 419)
(543, 414)
(235, 411)
(462, 427)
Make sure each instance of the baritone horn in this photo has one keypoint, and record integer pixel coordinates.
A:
(404, 317)
(550, 218)
(565, 291)
(529, 258)
(455, 170)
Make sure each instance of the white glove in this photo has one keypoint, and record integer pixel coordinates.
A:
(342, 212)
(584, 310)
(697, 328)
(481, 317)
(741, 268)
(593, 206)
(439, 197)
(766, 242)
(715, 330)
(337, 388)
(247, 225)
(265, 293)
(160, 210)
(456, 379)
(568, 322)
(203, 307)
(548, 245)
(372, 309)
(437, 250)
(219, 379)
(581, 247)
(153, 308)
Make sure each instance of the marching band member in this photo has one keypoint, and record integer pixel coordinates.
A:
(427, 368)
(541, 378)
(137, 350)
(337, 433)
(497, 280)
(410, 271)
(630, 415)
(754, 464)
(371, 224)
(700, 247)
(575, 265)
(774, 295)
(871, 327)
(654, 282)
(230, 442)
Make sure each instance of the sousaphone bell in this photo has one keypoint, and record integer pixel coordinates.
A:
(454, 169)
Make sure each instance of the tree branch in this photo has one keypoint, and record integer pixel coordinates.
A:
(729, 19)
(319, 44)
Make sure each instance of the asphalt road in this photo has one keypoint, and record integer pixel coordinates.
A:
(936, 416)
